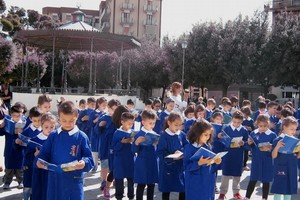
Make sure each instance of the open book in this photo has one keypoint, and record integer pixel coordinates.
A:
(27, 141)
(235, 142)
(291, 145)
(10, 125)
(175, 155)
(207, 154)
(150, 138)
(66, 167)
(265, 146)
(226, 140)
(227, 118)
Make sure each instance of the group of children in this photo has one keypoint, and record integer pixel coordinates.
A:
(151, 147)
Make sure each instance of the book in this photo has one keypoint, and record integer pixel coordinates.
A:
(150, 138)
(227, 118)
(226, 140)
(175, 155)
(27, 141)
(252, 140)
(10, 125)
(235, 142)
(137, 126)
(133, 134)
(290, 144)
(297, 148)
(265, 146)
(66, 167)
(205, 153)
(217, 127)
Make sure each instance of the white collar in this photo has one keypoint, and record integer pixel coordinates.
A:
(208, 110)
(238, 128)
(146, 131)
(282, 135)
(71, 132)
(280, 121)
(167, 112)
(97, 111)
(268, 132)
(121, 129)
(171, 133)
(248, 119)
(195, 144)
(190, 119)
(41, 136)
(34, 128)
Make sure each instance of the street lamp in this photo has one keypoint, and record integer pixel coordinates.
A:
(184, 46)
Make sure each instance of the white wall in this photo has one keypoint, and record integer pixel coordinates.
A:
(30, 100)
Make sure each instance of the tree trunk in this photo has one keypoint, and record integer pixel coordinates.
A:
(163, 92)
(224, 90)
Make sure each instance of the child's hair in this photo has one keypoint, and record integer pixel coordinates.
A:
(198, 129)
(130, 102)
(225, 99)
(82, 101)
(192, 104)
(148, 102)
(22, 106)
(148, 115)
(271, 104)
(290, 120)
(216, 113)
(44, 98)
(116, 117)
(171, 118)
(237, 115)
(175, 85)
(113, 102)
(157, 100)
(48, 117)
(188, 110)
(234, 99)
(289, 103)
(226, 102)
(67, 108)
(91, 100)
(199, 108)
(279, 108)
(246, 110)
(211, 101)
(127, 116)
(34, 112)
(262, 119)
(101, 100)
(169, 100)
(262, 105)
(267, 101)
(286, 112)
(246, 102)
(16, 109)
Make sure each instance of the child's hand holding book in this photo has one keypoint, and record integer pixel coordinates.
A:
(180, 155)
(203, 161)
(250, 141)
(18, 141)
(103, 123)
(37, 151)
(140, 140)
(79, 166)
(126, 140)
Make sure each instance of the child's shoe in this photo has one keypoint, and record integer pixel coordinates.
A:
(106, 193)
(237, 196)
(6, 186)
(20, 186)
(103, 184)
(217, 191)
(222, 196)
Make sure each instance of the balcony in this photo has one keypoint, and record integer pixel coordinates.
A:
(126, 22)
(150, 8)
(289, 5)
(150, 22)
(127, 6)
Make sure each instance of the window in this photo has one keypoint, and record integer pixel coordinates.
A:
(125, 17)
(149, 20)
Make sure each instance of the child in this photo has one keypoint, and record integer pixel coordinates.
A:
(84, 116)
(232, 164)
(106, 129)
(176, 89)
(31, 131)
(247, 103)
(200, 176)
(172, 140)
(285, 165)
(225, 108)
(271, 112)
(260, 141)
(157, 108)
(284, 113)
(13, 155)
(123, 156)
(81, 110)
(235, 104)
(170, 104)
(200, 112)
(211, 104)
(189, 119)
(148, 106)
(40, 176)
(145, 166)
(64, 145)
(130, 106)
(101, 104)
(248, 123)
(261, 110)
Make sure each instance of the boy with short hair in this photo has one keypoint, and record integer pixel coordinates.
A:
(84, 116)
(189, 119)
(211, 104)
(271, 113)
(261, 110)
(13, 155)
(232, 163)
(66, 144)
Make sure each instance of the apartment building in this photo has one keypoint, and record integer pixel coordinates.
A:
(284, 5)
(138, 18)
(64, 14)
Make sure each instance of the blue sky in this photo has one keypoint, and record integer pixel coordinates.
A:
(178, 16)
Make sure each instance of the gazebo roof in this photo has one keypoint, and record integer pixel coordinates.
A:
(78, 25)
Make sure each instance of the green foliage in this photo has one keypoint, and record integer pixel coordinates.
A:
(7, 25)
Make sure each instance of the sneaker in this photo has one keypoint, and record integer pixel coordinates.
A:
(237, 196)
(222, 196)
(217, 191)
(246, 168)
(20, 186)
(103, 184)
(106, 193)
(6, 186)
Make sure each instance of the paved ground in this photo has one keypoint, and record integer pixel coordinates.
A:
(92, 184)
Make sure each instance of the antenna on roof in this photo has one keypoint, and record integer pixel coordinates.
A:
(78, 5)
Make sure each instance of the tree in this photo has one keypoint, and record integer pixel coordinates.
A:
(8, 56)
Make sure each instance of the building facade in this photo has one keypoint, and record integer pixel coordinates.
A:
(64, 14)
(138, 18)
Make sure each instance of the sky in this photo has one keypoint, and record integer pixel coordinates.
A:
(178, 16)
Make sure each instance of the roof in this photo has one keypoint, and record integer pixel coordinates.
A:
(78, 25)
(47, 10)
